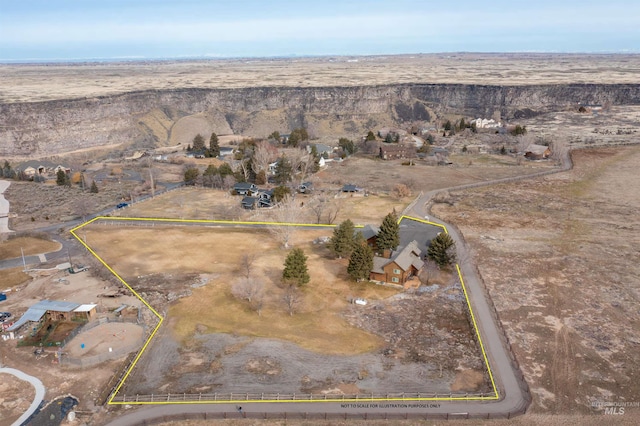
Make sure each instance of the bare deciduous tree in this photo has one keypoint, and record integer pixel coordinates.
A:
(292, 299)
(228, 182)
(559, 150)
(401, 190)
(318, 204)
(246, 264)
(263, 155)
(83, 206)
(251, 290)
(332, 210)
(287, 211)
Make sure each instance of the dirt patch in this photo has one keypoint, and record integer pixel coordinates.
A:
(104, 338)
(558, 257)
(15, 397)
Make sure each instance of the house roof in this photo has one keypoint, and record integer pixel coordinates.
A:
(394, 147)
(537, 149)
(32, 314)
(249, 201)
(307, 184)
(351, 188)
(369, 231)
(408, 256)
(322, 148)
(85, 308)
(378, 264)
(56, 305)
(243, 185)
(37, 311)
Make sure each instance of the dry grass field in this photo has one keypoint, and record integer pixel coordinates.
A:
(11, 248)
(218, 252)
(29, 83)
(559, 257)
(12, 277)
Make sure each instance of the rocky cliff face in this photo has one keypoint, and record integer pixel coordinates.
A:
(157, 117)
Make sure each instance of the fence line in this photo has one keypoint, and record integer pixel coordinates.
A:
(288, 397)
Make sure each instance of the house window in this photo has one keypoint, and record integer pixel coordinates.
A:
(397, 271)
(395, 280)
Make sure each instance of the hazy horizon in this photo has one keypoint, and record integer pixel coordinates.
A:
(73, 30)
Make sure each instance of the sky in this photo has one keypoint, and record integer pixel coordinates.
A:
(50, 30)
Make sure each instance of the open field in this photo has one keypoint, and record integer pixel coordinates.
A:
(11, 248)
(559, 257)
(12, 277)
(28, 82)
(215, 342)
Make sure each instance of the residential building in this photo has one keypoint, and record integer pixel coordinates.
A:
(398, 266)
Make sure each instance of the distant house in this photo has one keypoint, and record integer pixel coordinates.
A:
(265, 197)
(41, 168)
(323, 150)
(351, 188)
(273, 167)
(537, 152)
(484, 123)
(225, 150)
(305, 187)
(245, 188)
(370, 234)
(399, 266)
(259, 198)
(54, 310)
(249, 203)
(397, 151)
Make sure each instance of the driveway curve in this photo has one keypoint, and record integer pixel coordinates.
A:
(36, 383)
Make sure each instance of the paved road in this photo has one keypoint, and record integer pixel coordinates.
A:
(37, 399)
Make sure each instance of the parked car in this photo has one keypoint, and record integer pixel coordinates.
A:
(4, 316)
(122, 205)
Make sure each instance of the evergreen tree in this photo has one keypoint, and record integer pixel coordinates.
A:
(463, 125)
(275, 135)
(295, 268)
(214, 146)
(94, 187)
(389, 235)
(361, 261)
(388, 138)
(347, 146)
(316, 159)
(225, 170)
(448, 126)
(442, 250)
(61, 177)
(284, 171)
(342, 239)
(370, 136)
(191, 175)
(198, 143)
(280, 192)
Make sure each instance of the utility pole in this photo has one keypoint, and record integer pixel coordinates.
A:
(24, 264)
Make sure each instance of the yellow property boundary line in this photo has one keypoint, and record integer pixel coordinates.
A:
(493, 397)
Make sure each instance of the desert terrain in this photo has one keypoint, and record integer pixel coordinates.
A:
(557, 255)
(32, 82)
